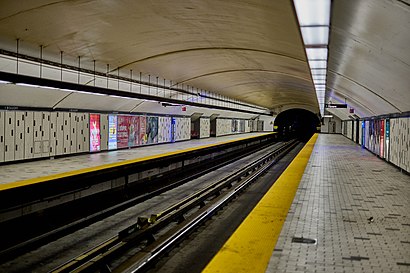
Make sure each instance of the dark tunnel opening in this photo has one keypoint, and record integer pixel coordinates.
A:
(296, 123)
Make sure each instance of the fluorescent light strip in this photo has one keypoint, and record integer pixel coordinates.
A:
(316, 53)
(318, 64)
(315, 35)
(313, 12)
(319, 77)
(314, 21)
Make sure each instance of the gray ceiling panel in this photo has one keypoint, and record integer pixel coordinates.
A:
(369, 59)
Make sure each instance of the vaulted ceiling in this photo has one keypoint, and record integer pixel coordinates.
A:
(244, 49)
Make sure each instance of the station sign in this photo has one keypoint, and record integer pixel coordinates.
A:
(335, 105)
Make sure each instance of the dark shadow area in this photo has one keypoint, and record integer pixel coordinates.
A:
(296, 123)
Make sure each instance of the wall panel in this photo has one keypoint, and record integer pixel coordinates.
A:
(9, 135)
(354, 130)
(45, 134)
(53, 133)
(66, 132)
(73, 132)
(104, 131)
(80, 133)
(204, 127)
(37, 122)
(19, 136)
(59, 142)
(2, 118)
(182, 128)
(360, 132)
(164, 129)
(86, 126)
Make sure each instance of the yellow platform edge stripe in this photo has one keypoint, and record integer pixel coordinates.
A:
(41, 179)
(250, 247)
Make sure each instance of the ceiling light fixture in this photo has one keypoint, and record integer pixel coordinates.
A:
(314, 22)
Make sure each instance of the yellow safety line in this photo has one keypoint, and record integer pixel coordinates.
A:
(250, 247)
(111, 165)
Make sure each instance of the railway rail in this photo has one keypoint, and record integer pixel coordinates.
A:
(151, 237)
(103, 206)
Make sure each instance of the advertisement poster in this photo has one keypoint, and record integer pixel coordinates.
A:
(122, 131)
(133, 131)
(363, 133)
(173, 129)
(95, 140)
(112, 132)
(152, 130)
(382, 138)
(143, 130)
(387, 130)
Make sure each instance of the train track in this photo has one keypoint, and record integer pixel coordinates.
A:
(20, 247)
(149, 238)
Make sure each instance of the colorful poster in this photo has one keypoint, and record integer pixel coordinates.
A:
(363, 134)
(152, 130)
(143, 130)
(173, 129)
(133, 131)
(112, 132)
(387, 130)
(95, 138)
(122, 131)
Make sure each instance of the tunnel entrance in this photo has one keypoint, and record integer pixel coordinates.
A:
(296, 123)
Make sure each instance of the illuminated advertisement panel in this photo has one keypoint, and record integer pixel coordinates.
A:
(133, 131)
(387, 131)
(112, 132)
(152, 130)
(143, 130)
(173, 129)
(122, 131)
(95, 138)
(363, 134)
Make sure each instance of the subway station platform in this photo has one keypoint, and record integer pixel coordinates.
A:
(336, 208)
(27, 173)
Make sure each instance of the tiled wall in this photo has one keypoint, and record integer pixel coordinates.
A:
(35, 134)
(387, 138)
(225, 126)
(205, 127)
(164, 129)
(28, 134)
(400, 142)
(182, 129)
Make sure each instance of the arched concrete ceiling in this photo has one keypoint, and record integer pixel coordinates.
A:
(369, 56)
(248, 50)
(244, 49)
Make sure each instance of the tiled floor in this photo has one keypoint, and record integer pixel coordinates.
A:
(27, 170)
(343, 187)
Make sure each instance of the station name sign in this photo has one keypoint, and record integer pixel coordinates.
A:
(335, 105)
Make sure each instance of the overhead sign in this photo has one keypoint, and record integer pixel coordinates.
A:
(335, 105)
